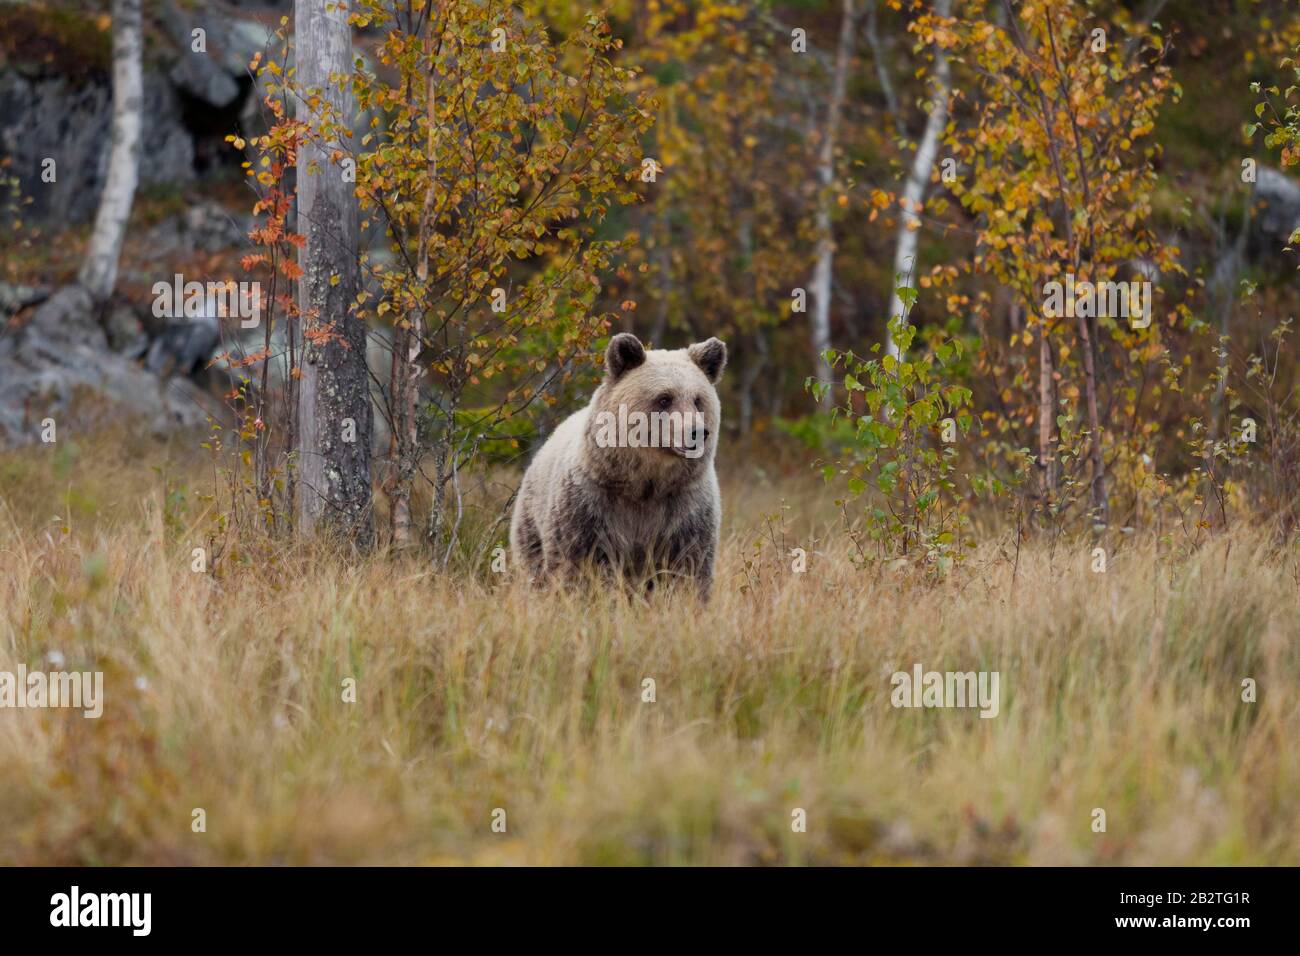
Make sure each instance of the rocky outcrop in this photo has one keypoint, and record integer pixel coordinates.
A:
(61, 358)
(204, 227)
(53, 119)
(59, 354)
(192, 100)
(217, 73)
(1277, 207)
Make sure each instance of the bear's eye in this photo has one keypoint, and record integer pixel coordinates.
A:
(699, 403)
(664, 400)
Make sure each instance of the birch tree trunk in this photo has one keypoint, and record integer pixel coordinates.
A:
(98, 274)
(1223, 291)
(918, 179)
(334, 410)
(882, 66)
(408, 341)
(825, 255)
(1097, 483)
(1046, 416)
(664, 266)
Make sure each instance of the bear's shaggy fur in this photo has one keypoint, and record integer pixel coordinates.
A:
(644, 513)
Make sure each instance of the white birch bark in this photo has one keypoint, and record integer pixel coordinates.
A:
(825, 252)
(918, 180)
(98, 273)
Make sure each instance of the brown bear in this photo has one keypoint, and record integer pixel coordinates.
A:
(627, 484)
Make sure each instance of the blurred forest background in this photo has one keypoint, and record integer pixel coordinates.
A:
(922, 460)
(790, 168)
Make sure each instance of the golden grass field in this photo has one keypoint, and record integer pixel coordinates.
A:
(1120, 691)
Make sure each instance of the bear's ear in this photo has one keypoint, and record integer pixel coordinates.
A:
(711, 357)
(625, 353)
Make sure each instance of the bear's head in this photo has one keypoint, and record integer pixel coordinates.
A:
(656, 415)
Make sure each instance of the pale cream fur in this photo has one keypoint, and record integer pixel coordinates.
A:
(645, 512)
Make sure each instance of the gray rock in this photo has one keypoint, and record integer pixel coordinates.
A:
(1277, 206)
(62, 354)
(213, 74)
(51, 118)
(67, 315)
(184, 348)
(239, 41)
(199, 75)
(126, 333)
(167, 156)
(205, 227)
(14, 297)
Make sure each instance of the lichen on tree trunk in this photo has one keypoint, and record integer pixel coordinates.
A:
(334, 410)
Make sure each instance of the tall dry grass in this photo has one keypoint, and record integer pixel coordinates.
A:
(1120, 691)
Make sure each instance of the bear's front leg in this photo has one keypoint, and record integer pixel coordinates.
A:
(692, 550)
(577, 540)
